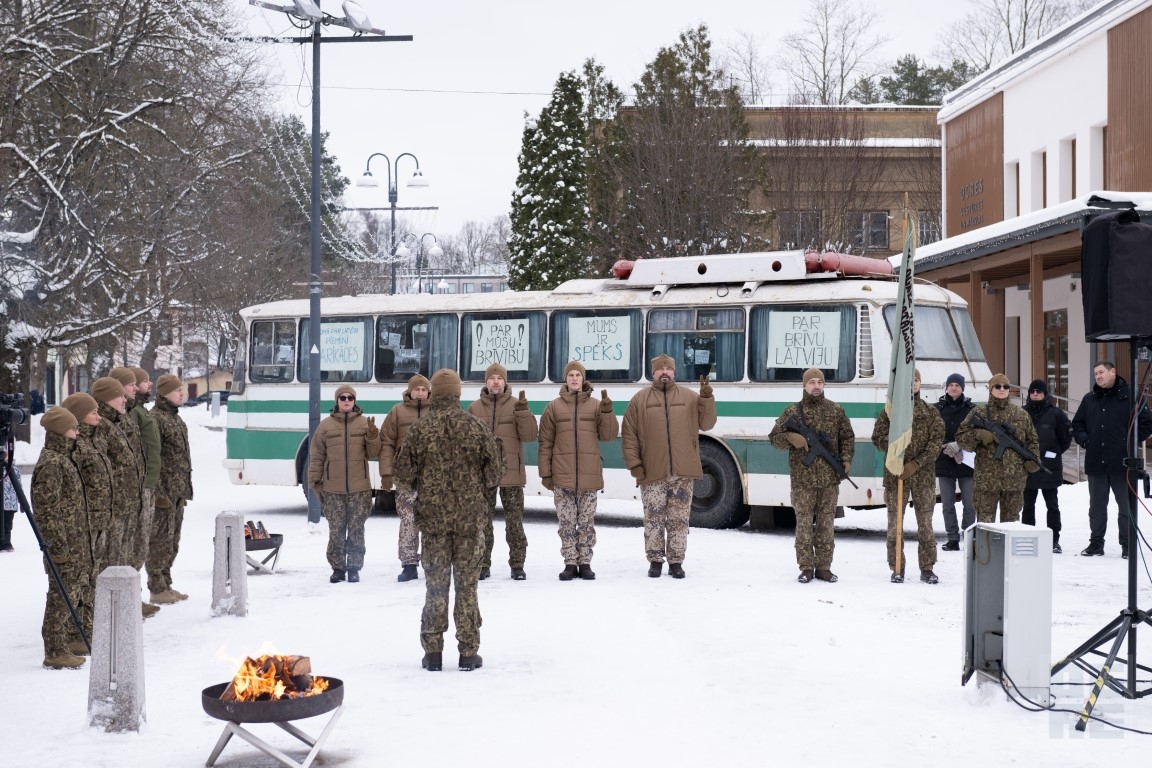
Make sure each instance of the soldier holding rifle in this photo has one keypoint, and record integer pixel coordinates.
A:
(815, 484)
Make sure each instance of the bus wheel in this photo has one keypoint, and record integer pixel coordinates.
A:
(718, 497)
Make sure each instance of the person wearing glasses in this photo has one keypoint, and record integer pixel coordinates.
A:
(999, 482)
(1054, 432)
(338, 472)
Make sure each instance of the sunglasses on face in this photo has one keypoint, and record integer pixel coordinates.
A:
(347, 398)
(1001, 386)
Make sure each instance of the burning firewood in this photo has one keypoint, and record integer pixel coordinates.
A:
(274, 677)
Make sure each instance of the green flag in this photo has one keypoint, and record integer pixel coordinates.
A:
(899, 402)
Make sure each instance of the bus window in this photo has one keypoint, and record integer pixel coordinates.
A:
(703, 342)
(513, 339)
(345, 349)
(936, 338)
(606, 341)
(273, 349)
(788, 339)
(407, 345)
(968, 336)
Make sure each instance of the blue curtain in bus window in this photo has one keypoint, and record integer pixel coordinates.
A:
(442, 332)
(936, 339)
(411, 344)
(607, 341)
(788, 339)
(702, 342)
(345, 349)
(513, 339)
(272, 357)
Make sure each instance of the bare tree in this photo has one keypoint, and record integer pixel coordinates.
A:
(748, 67)
(993, 30)
(835, 47)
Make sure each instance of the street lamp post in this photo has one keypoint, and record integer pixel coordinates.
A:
(434, 252)
(393, 167)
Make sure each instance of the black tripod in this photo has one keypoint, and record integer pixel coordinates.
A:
(45, 546)
(1124, 626)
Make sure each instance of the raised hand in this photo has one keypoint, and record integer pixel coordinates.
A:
(373, 430)
(605, 403)
(522, 403)
(705, 386)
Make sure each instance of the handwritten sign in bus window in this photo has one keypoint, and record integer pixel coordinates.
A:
(800, 339)
(341, 346)
(601, 343)
(504, 341)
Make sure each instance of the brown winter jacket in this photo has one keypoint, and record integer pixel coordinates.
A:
(338, 455)
(570, 429)
(513, 427)
(662, 431)
(396, 423)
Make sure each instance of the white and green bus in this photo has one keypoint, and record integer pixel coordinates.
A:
(751, 322)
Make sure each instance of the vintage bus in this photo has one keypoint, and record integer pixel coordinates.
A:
(751, 322)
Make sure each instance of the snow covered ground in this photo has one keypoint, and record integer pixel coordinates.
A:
(737, 665)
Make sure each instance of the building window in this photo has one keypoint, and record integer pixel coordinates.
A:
(486, 288)
(466, 288)
(866, 230)
(799, 229)
(930, 229)
(1056, 352)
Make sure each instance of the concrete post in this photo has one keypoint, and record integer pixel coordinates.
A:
(116, 672)
(229, 571)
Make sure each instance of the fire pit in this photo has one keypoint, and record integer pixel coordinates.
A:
(271, 545)
(278, 690)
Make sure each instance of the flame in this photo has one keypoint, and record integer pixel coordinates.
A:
(269, 677)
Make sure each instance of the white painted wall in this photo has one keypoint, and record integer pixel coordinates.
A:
(1059, 293)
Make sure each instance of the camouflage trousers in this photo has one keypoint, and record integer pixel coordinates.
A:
(164, 545)
(576, 512)
(147, 512)
(58, 628)
(409, 549)
(667, 506)
(449, 558)
(923, 501)
(1010, 503)
(128, 535)
(512, 500)
(814, 548)
(346, 513)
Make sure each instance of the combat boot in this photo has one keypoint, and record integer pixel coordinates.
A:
(147, 610)
(675, 570)
(586, 571)
(63, 660)
(469, 663)
(568, 573)
(824, 574)
(167, 597)
(897, 578)
(177, 594)
(408, 573)
(433, 661)
(655, 569)
(929, 577)
(485, 572)
(950, 546)
(518, 574)
(805, 576)
(337, 575)
(77, 648)
(353, 575)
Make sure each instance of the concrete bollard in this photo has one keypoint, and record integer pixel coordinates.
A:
(116, 672)
(229, 571)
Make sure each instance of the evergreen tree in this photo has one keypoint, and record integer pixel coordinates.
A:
(912, 81)
(550, 239)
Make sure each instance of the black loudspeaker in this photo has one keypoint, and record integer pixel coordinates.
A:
(1116, 267)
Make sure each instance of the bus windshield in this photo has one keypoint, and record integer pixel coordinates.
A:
(941, 335)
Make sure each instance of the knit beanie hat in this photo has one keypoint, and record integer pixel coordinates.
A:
(663, 361)
(418, 381)
(575, 366)
(916, 374)
(812, 373)
(58, 420)
(344, 389)
(106, 388)
(496, 370)
(167, 384)
(446, 382)
(141, 375)
(79, 405)
(1038, 385)
(123, 375)
(954, 378)
(998, 379)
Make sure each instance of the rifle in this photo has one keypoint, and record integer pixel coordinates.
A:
(1006, 440)
(819, 445)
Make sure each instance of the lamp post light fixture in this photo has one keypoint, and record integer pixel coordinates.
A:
(434, 252)
(393, 167)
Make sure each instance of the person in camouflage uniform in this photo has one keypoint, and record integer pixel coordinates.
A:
(402, 416)
(571, 430)
(58, 502)
(661, 447)
(451, 460)
(136, 538)
(96, 477)
(338, 472)
(815, 488)
(512, 421)
(173, 490)
(999, 482)
(150, 437)
(927, 436)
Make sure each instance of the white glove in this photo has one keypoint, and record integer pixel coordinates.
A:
(952, 450)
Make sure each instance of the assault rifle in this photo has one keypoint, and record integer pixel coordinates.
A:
(1006, 440)
(819, 446)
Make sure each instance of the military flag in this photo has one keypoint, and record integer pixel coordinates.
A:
(899, 403)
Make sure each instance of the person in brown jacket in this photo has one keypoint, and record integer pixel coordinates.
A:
(402, 416)
(571, 430)
(338, 472)
(512, 422)
(661, 447)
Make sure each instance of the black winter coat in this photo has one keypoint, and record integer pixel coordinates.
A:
(1055, 434)
(953, 412)
(1100, 427)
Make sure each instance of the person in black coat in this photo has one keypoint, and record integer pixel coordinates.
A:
(1055, 434)
(1100, 427)
(951, 470)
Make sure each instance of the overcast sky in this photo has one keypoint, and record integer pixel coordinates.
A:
(455, 97)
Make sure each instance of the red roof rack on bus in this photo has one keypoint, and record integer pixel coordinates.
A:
(768, 266)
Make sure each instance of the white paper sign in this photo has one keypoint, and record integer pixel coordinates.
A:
(341, 346)
(601, 343)
(503, 341)
(799, 339)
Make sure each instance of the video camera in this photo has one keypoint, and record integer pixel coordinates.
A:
(12, 413)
